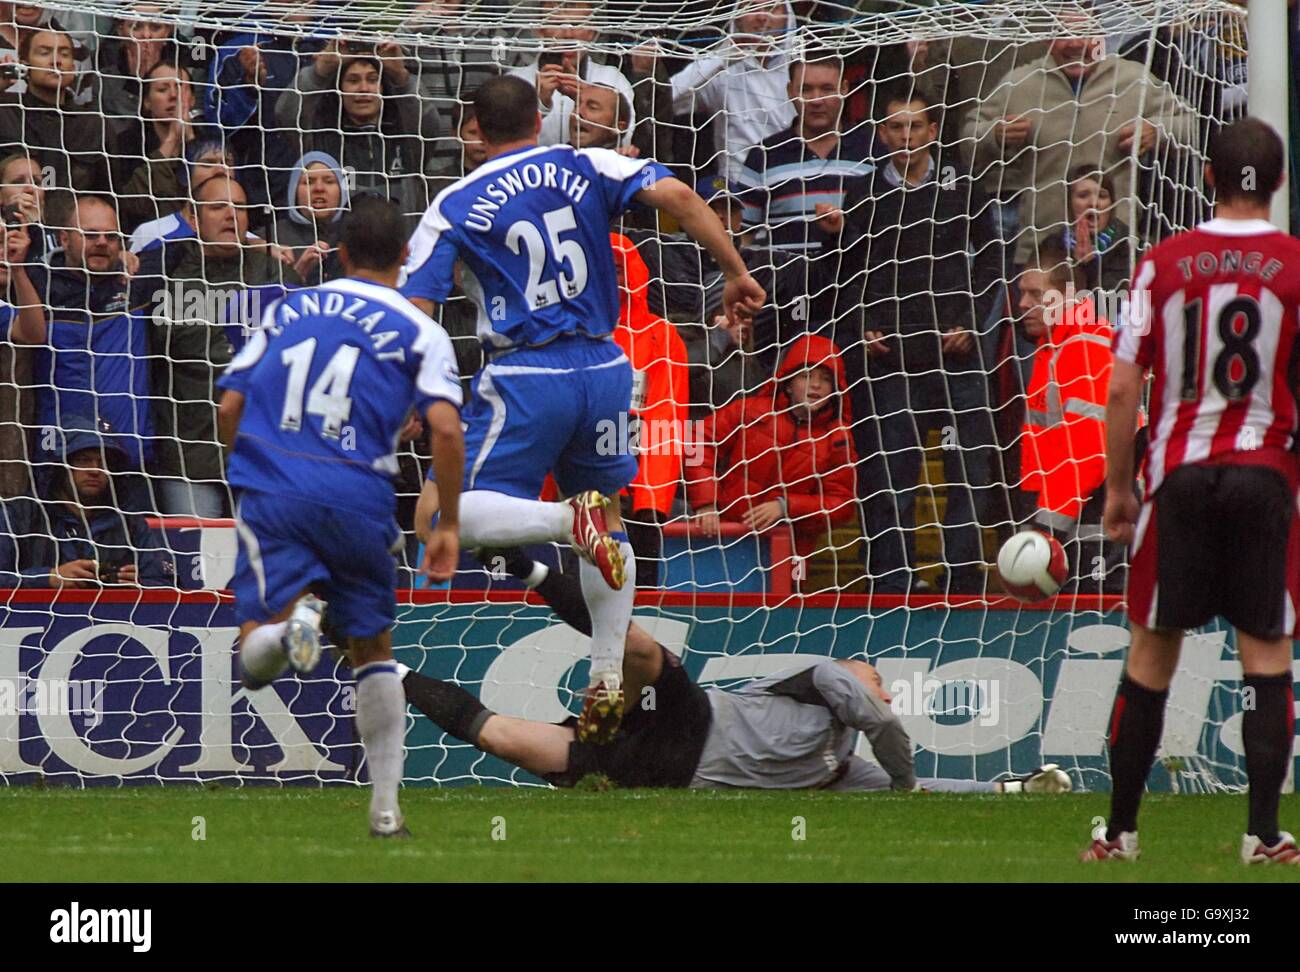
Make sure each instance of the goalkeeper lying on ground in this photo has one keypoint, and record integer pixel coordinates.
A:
(792, 730)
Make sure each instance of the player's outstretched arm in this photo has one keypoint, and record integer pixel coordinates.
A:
(447, 446)
(229, 412)
(742, 296)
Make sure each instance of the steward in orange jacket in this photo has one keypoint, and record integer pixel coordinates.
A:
(783, 453)
(1063, 454)
(660, 384)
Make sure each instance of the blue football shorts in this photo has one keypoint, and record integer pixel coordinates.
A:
(562, 409)
(287, 544)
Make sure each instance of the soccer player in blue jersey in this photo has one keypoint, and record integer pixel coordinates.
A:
(530, 227)
(313, 407)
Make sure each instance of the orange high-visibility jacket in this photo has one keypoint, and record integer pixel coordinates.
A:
(1063, 453)
(660, 383)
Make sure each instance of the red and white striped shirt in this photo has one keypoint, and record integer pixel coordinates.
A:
(1214, 316)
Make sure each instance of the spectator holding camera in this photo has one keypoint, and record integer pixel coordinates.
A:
(20, 300)
(45, 123)
(312, 222)
(784, 454)
(566, 66)
(74, 532)
(17, 19)
(741, 86)
(22, 200)
(250, 71)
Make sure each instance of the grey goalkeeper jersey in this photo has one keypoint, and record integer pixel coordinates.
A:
(796, 729)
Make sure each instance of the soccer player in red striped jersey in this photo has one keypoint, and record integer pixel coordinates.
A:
(1214, 319)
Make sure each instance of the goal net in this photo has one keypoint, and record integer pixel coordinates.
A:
(936, 197)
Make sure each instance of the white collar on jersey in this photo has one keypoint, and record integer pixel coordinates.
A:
(378, 293)
(1237, 227)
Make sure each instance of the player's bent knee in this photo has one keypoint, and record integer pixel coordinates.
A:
(363, 651)
(1261, 656)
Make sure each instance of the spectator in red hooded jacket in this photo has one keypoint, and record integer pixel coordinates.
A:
(784, 454)
(660, 395)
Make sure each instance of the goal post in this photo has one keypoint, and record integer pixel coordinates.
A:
(1269, 100)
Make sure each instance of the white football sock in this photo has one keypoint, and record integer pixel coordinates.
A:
(610, 610)
(489, 519)
(261, 656)
(381, 723)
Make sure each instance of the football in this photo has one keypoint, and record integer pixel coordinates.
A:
(1032, 565)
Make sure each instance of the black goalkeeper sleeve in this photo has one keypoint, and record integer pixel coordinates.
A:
(448, 706)
(561, 591)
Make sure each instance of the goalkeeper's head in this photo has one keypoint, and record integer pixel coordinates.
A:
(373, 245)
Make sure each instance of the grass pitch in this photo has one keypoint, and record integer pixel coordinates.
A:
(290, 834)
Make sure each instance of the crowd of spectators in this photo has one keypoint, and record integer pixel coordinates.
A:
(158, 185)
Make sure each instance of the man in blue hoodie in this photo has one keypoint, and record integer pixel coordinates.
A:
(75, 533)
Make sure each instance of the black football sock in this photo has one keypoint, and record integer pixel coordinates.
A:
(1136, 723)
(449, 707)
(516, 563)
(1267, 731)
(563, 592)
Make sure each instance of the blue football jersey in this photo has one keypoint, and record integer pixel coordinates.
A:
(531, 228)
(328, 382)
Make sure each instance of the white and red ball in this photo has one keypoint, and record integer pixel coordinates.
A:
(1032, 565)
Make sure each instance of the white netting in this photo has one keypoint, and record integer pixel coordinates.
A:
(908, 490)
